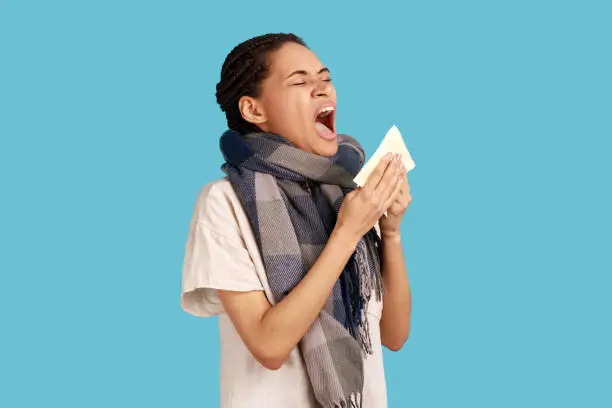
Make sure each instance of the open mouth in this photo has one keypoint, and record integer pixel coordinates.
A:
(326, 117)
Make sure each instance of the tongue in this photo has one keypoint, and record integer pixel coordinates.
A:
(324, 131)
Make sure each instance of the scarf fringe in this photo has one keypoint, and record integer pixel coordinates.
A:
(365, 288)
(365, 258)
(354, 400)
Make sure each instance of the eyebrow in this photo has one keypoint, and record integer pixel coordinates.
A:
(302, 72)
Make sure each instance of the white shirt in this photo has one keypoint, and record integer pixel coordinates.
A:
(221, 253)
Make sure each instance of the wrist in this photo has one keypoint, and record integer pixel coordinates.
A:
(345, 238)
(391, 236)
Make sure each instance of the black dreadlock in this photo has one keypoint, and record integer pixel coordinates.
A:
(245, 67)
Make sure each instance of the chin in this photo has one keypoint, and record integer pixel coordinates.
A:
(327, 149)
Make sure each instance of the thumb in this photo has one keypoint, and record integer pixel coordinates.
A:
(352, 194)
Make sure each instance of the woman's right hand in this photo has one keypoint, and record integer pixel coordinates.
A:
(363, 207)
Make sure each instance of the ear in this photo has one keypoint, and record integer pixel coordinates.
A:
(251, 110)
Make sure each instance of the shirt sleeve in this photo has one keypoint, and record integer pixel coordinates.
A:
(214, 261)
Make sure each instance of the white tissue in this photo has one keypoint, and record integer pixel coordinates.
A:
(391, 143)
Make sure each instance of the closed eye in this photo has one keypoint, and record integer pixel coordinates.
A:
(304, 83)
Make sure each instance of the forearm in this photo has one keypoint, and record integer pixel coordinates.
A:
(395, 321)
(284, 325)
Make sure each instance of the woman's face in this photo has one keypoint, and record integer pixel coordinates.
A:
(294, 100)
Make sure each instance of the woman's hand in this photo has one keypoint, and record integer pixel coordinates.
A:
(390, 225)
(364, 206)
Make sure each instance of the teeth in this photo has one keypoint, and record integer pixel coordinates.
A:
(326, 111)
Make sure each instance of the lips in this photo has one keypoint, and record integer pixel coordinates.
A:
(325, 121)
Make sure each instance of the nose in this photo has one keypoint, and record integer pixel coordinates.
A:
(322, 88)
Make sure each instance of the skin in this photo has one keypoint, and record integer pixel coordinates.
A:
(271, 332)
(288, 104)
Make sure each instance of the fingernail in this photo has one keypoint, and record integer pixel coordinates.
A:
(388, 156)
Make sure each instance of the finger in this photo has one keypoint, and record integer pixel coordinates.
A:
(395, 194)
(387, 184)
(401, 185)
(352, 194)
(405, 185)
(378, 172)
(392, 195)
(405, 177)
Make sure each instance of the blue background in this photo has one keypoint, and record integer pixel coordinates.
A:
(109, 128)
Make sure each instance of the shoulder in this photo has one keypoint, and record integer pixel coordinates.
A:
(216, 189)
(216, 206)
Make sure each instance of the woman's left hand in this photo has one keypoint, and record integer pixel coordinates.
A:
(390, 225)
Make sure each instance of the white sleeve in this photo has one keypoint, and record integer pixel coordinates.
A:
(214, 261)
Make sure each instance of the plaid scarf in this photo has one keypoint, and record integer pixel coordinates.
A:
(292, 198)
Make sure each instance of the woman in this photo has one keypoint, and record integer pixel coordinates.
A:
(293, 257)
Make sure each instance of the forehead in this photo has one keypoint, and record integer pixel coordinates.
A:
(292, 57)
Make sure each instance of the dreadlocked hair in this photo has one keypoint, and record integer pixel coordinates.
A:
(245, 67)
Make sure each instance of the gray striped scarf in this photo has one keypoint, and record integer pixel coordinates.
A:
(292, 198)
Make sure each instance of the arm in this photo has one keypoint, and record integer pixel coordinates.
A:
(397, 301)
(270, 333)
(395, 320)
